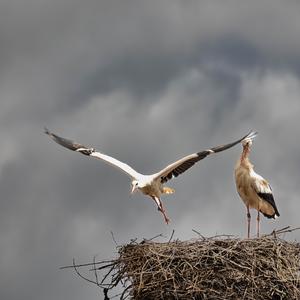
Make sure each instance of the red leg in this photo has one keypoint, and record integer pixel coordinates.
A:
(257, 225)
(161, 208)
(248, 221)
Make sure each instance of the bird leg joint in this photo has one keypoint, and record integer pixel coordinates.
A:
(258, 217)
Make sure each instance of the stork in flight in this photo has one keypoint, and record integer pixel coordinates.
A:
(151, 185)
(254, 190)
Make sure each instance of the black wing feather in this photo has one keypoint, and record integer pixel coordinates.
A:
(184, 166)
(69, 143)
(268, 197)
(200, 155)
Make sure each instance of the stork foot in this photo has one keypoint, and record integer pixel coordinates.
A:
(168, 190)
(167, 220)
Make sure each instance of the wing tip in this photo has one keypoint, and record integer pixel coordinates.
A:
(46, 130)
(62, 141)
(274, 216)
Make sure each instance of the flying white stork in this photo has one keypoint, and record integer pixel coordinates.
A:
(254, 190)
(151, 185)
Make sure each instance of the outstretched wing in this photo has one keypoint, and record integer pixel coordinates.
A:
(183, 164)
(93, 153)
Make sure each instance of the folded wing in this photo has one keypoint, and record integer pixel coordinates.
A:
(264, 191)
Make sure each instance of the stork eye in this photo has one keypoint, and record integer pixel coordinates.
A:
(134, 184)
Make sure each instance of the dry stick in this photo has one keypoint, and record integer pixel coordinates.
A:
(281, 231)
(197, 232)
(108, 273)
(171, 236)
(103, 267)
(80, 275)
(289, 230)
(85, 265)
(105, 292)
(124, 292)
(275, 232)
(113, 237)
(149, 240)
(95, 272)
(220, 235)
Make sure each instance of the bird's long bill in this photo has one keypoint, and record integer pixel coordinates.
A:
(133, 189)
(251, 136)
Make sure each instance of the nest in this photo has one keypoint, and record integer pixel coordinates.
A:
(204, 268)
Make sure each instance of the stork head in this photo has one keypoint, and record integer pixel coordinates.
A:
(134, 186)
(247, 141)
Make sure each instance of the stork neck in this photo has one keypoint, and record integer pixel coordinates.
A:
(245, 155)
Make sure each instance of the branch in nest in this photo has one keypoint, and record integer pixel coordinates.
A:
(219, 267)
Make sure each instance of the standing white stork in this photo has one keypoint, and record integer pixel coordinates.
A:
(254, 190)
(151, 185)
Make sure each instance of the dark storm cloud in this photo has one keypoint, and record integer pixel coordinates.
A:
(66, 50)
(146, 82)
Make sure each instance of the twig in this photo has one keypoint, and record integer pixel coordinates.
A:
(198, 233)
(112, 263)
(105, 292)
(153, 238)
(124, 295)
(95, 272)
(113, 237)
(281, 231)
(80, 275)
(170, 239)
(85, 265)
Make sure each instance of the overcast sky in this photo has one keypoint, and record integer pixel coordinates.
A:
(146, 82)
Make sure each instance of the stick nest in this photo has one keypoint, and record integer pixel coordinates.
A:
(205, 268)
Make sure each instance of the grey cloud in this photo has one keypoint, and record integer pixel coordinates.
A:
(99, 44)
